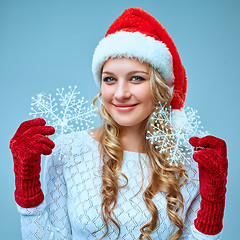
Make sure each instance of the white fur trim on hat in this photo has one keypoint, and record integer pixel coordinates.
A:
(133, 44)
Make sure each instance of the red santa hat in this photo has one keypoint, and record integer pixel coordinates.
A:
(138, 34)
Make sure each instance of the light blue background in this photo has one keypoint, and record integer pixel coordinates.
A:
(49, 44)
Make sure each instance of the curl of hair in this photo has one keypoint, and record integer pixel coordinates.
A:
(165, 178)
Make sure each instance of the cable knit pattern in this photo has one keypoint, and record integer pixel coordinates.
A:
(27, 145)
(72, 205)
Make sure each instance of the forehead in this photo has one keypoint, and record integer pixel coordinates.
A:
(125, 64)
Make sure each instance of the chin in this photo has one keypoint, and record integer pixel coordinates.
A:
(125, 123)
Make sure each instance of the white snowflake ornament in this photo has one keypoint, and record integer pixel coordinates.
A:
(68, 112)
(171, 139)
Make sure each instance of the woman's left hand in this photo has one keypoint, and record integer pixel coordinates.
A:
(211, 156)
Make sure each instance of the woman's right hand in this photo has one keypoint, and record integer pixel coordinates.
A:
(27, 145)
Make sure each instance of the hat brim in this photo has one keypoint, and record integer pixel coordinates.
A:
(134, 45)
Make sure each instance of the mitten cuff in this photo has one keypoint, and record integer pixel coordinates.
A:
(30, 201)
(209, 217)
(28, 193)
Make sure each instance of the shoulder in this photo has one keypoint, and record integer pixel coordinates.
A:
(96, 134)
(71, 149)
(76, 142)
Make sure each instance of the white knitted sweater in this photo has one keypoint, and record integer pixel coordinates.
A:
(72, 204)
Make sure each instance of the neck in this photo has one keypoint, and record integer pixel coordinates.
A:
(132, 138)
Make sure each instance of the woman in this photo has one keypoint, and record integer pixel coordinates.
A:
(111, 182)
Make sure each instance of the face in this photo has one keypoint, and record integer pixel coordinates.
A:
(126, 92)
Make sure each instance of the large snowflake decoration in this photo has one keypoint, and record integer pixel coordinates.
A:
(69, 113)
(173, 140)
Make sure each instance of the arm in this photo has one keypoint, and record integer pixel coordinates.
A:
(50, 219)
(40, 219)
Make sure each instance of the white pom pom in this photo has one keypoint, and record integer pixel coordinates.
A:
(179, 120)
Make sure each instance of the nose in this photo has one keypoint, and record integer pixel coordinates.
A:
(122, 91)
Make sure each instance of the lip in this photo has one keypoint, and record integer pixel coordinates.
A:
(125, 107)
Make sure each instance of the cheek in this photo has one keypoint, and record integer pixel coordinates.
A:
(107, 93)
(145, 95)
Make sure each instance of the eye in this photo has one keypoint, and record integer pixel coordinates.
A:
(137, 79)
(109, 79)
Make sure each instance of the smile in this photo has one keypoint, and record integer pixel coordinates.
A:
(125, 108)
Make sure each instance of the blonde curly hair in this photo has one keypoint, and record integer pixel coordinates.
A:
(165, 178)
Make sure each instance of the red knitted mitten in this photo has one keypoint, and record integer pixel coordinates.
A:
(26, 146)
(213, 169)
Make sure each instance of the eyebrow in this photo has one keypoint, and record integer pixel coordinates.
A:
(132, 72)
